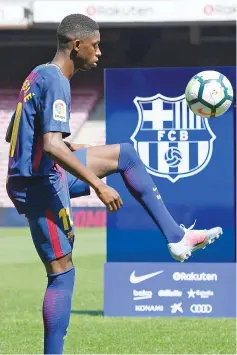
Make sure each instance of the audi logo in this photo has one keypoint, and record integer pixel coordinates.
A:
(201, 308)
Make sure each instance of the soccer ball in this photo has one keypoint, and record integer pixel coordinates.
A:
(209, 94)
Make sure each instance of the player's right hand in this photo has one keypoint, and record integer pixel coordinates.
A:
(109, 197)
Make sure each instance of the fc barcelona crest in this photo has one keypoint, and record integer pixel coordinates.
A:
(170, 139)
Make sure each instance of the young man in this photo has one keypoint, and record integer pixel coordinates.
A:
(45, 172)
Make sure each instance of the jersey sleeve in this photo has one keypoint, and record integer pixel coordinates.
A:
(54, 107)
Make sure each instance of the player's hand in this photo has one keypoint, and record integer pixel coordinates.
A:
(109, 197)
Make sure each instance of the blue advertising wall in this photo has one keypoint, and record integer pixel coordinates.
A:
(208, 195)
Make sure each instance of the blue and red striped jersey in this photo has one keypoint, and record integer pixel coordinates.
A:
(43, 106)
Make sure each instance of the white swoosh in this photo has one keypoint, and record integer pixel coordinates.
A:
(136, 279)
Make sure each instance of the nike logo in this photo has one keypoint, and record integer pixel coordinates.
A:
(137, 279)
(154, 189)
(200, 110)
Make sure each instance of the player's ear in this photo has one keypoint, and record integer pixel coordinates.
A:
(76, 45)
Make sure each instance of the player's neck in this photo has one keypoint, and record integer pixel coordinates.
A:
(64, 63)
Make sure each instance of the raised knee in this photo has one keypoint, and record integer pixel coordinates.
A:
(128, 157)
(128, 149)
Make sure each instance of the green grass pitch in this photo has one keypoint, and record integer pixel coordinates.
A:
(22, 289)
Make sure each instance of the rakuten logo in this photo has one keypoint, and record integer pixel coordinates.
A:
(130, 11)
(225, 10)
(183, 276)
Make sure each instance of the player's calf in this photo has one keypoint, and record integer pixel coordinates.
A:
(57, 309)
(142, 187)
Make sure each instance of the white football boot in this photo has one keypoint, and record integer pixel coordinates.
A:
(193, 240)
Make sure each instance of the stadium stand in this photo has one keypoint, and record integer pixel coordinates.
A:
(91, 132)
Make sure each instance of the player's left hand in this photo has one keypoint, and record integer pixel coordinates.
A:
(109, 197)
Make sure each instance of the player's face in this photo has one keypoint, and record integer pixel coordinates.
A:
(88, 52)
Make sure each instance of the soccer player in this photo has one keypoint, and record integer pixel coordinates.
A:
(45, 172)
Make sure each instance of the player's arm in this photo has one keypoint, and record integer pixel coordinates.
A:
(9, 130)
(55, 147)
(54, 120)
(61, 153)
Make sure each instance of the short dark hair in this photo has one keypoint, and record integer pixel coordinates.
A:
(75, 25)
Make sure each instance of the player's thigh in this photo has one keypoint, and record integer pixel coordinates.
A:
(53, 234)
(103, 160)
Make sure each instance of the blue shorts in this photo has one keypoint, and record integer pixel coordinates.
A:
(48, 210)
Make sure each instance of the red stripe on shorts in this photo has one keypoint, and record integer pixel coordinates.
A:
(53, 233)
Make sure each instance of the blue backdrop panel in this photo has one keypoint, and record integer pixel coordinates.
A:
(195, 176)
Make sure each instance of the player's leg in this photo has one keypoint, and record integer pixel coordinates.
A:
(122, 158)
(57, 309)
(53, 235)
